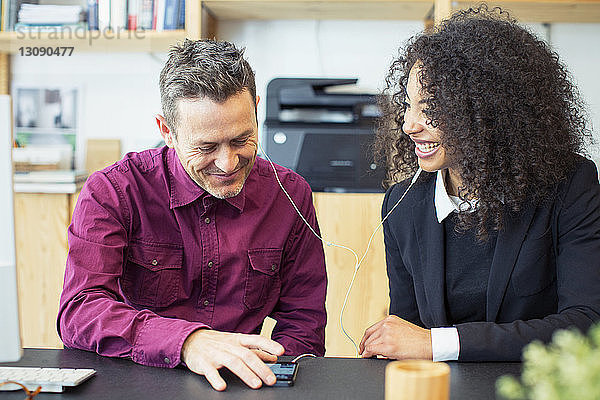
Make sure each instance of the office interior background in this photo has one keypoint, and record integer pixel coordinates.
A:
(118, 97)
(119, 91)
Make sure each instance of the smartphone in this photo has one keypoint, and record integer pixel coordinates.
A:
(285, 372)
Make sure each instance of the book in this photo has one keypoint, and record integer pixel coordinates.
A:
(51, 181)
(50, 14)
(92, 15)
(118, 15)
(171, 14)
(132, 14)
(103, 14)
(3, 14)
(47, 187)
(181, 22)
(51, 176)
(145, 14)
(13, 12)
(159, 15)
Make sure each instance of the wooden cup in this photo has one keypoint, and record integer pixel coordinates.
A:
(417, 380)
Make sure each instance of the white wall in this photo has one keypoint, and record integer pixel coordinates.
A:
(579, 47)
(328, 49)
(120, 91)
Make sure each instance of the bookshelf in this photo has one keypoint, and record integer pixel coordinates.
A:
(108, 41)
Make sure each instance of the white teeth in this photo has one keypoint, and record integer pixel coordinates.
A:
(427, 147)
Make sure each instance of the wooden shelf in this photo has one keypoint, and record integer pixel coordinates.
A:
(92, 41)
(547, 10)
(523, 10)
(318, 9)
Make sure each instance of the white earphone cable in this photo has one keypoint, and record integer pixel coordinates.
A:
(358, 262)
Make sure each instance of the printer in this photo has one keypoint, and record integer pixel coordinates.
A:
(323, 129)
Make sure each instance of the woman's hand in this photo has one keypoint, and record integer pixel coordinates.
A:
(393, 337)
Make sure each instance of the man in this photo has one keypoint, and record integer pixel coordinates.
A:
(171, 250)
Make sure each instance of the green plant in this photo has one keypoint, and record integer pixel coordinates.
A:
(566, 369)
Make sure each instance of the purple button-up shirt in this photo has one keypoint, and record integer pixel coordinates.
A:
(153, 257)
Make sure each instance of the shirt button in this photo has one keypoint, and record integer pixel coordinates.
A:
(207, 220)
(167, 361)
(273, 267)
(210, 264)
(154, 262)
(206, 303)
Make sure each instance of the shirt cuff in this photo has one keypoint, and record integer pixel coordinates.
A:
(159, 341)
(445, 344)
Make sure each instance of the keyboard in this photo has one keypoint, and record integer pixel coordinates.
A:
(50, 379)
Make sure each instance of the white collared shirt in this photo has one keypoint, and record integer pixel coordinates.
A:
(445, 204)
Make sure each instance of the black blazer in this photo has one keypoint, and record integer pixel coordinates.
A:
(545, 272)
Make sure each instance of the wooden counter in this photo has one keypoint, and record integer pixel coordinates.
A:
(41, 221)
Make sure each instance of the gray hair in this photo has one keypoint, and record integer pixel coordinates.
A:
(203, 68)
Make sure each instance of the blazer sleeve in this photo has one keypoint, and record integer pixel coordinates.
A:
(403, 303)
(577, 217)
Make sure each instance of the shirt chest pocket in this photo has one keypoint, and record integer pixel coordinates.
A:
(152, 275)
(262, 276)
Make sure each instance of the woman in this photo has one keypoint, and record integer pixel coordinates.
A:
(498, 241)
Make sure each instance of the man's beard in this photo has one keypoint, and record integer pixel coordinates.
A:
(225, 192)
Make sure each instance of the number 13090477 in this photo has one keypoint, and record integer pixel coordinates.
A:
(60, 51)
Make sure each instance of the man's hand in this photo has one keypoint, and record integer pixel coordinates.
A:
(393, 337)
(205, 351)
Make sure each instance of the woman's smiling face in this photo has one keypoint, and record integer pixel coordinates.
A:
(431, 155)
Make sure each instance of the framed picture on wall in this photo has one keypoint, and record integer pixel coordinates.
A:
(46, 122)
(46, 110)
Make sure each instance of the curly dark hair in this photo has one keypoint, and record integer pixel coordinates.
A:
(510, 117)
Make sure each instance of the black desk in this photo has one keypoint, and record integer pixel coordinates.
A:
(318, 378)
